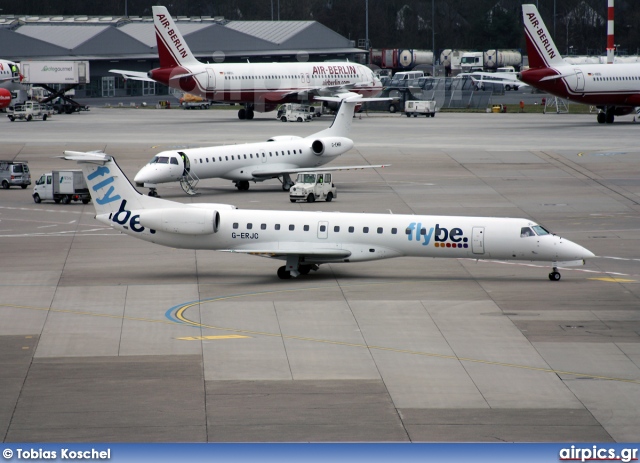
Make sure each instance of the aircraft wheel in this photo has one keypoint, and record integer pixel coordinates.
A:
(243, 185)
(36, 198)
(311, 198)
(283, 273)
(250, 114)
(329, 197)
(554, 276)
(609, 117)
(304, 269)
(242, 114)
(602, 117)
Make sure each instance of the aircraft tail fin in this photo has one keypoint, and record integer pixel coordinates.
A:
(110, 188)
(172, 48)
(341, 126)
(541, 49)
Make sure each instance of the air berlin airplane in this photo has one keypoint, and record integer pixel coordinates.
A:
(9, 80)
(613, 88)
(261, 86)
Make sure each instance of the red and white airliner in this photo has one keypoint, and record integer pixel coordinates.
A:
(613, 88)
(259, 87)
(9, 80)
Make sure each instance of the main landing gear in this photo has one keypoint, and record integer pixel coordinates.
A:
(607, 115)
(242, 185)
(153, 192)
(294, 267)
(287, 183)
(555, 275)
(246, 112)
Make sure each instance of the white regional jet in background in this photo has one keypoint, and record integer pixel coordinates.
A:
(277, 157)
(260, 86)
(613, 88)
(305, 240)
(508, 80)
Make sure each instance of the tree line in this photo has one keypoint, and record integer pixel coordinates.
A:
(579, 28)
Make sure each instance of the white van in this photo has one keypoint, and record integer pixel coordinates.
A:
(310, 186)
(14, 173)
(420, 107)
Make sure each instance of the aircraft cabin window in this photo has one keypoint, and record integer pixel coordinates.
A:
(174, 161)
(289, 152)
(235, 225)
(263, 155)
(207, 159)
(292, 227)
(271, 154)
(233, 158)
(379, 230)
(263, 226)
(394, 231)
(226, 158)
(336, 229)
(277, 226)
(249, 226)
(251, 155)
(351, 229)
(365, 229)
(323, 228)
(306, 228)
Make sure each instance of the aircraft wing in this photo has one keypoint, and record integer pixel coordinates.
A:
(317, 255)
(277, 173)
(133, 75)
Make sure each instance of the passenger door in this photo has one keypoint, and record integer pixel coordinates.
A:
(323, 230)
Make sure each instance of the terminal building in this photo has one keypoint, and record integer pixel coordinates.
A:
(130, 43)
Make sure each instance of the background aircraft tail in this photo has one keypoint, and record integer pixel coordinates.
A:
(541, 49)
(172, 48)
(341, 126)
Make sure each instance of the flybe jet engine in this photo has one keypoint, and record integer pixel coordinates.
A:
(331, 146)
(181, 220)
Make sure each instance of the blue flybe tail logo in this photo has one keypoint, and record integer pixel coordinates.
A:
(107, 197)
(440, 236)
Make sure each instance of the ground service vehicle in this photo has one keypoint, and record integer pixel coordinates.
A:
(28, 112)
(293, 112)
(416, 108)
(62, 185)
(310, 186)
(14, 173)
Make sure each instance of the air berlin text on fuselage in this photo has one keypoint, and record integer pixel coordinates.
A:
(173, 36)
(334, 70)
(541, 35)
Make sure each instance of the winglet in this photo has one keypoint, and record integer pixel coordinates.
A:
(172, 49)
(541, 49)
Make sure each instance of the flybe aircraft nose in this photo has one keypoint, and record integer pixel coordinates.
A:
(152, 173)
(569, 250)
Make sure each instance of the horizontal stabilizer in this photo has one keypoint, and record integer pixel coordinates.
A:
(559, 76)
(133, 75)
(92, 156)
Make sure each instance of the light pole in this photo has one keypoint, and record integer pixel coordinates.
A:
(366, 24)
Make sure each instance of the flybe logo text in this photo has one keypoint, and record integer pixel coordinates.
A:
(442, 237)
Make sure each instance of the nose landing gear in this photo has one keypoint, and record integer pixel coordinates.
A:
(555, 275)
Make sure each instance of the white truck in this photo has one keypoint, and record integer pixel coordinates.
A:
(310, 186)
(61, 185)
(293, 112)
(55, 72)
(28, 111)
(420, 107)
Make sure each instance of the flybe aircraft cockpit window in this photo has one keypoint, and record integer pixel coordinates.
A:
(175, 161)
(160, 160)
(526, 232)
(541, 230)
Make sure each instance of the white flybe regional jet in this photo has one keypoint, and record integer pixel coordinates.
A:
(613, 88)
(278, 157)
(260, 86)
(305, 240)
